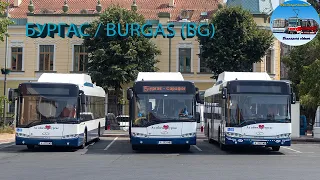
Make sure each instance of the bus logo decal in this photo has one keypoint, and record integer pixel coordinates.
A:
(261, 126)
(259, 133)
(165, 127)
(48, 127)
(45, 133)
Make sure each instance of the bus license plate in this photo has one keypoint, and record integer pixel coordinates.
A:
(165, 142)
(259, 143)
(45, 143)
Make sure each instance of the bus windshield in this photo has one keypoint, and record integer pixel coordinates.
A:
(158, 108)
(245, 109)
(293, 22)
(37, 109)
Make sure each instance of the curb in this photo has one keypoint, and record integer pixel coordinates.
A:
(7, 141)
(306, 140)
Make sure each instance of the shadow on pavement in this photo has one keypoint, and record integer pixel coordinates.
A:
(247, 150)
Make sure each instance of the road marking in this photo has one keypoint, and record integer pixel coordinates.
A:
(197, 147)
(292, 149)
(110, 144)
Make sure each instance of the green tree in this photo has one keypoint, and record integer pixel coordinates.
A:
(315, 4)
(237, 44)
(298, 58)
(115, 61)
(309, 87)
(4, 21)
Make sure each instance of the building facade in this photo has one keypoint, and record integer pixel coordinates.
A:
(28, 58)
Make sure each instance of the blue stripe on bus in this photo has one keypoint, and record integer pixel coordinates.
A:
(74, 142)
(246, 141)
(177, 141)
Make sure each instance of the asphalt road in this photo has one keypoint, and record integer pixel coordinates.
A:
(112, 158)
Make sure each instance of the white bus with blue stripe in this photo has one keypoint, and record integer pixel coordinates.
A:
(162, 110)
(59, 110)
(248, 108)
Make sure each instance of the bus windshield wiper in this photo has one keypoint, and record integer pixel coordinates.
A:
(33, 123)
(247, 122)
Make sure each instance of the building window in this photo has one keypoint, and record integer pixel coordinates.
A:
(16, 58)
(268, 62)
(203, 67)
(46, 57)
(80, 59)
(185, 60)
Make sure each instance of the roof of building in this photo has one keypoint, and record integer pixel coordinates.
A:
(254, 6)
(148, 8)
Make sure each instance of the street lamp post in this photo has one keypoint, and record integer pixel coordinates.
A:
(5, 68)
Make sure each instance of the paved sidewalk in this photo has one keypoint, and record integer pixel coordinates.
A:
(306, 139)
(7, 138)
(115, 133)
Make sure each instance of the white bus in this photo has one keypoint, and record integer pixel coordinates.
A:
(162, 110)
(59, 110)
(248, 108)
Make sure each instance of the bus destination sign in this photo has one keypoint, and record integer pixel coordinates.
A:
(164, 89)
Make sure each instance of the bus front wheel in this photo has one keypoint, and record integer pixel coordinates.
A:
(223, 147)
(30, 146)
(134, 147)
(186, 147)
(275, 148)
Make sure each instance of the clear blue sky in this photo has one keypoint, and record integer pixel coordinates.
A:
(307, 12)
(275, 3)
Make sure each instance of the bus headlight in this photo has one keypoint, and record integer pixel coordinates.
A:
(229, 134)
(189, 135)
(70, 136)
(139, 135)
(22, 135)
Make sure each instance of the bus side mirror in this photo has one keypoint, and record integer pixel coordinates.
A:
(293, 98)
(224, 93)
(199, 98)
(129, 94)
(198, 117)
(83, 98)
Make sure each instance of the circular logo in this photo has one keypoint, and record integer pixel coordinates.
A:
(294, 22)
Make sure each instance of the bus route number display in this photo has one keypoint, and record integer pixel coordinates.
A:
(181, 89)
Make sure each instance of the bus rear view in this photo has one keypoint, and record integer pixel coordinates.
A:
(163, 113)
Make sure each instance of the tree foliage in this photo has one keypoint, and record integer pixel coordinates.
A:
(300, 57)
(117, 60)
(237, 44)
(315, 4)
(310, 85)
(4, 21)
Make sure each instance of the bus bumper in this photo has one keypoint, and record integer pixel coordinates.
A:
(74, 142)
(155, 141)
(257, 142)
